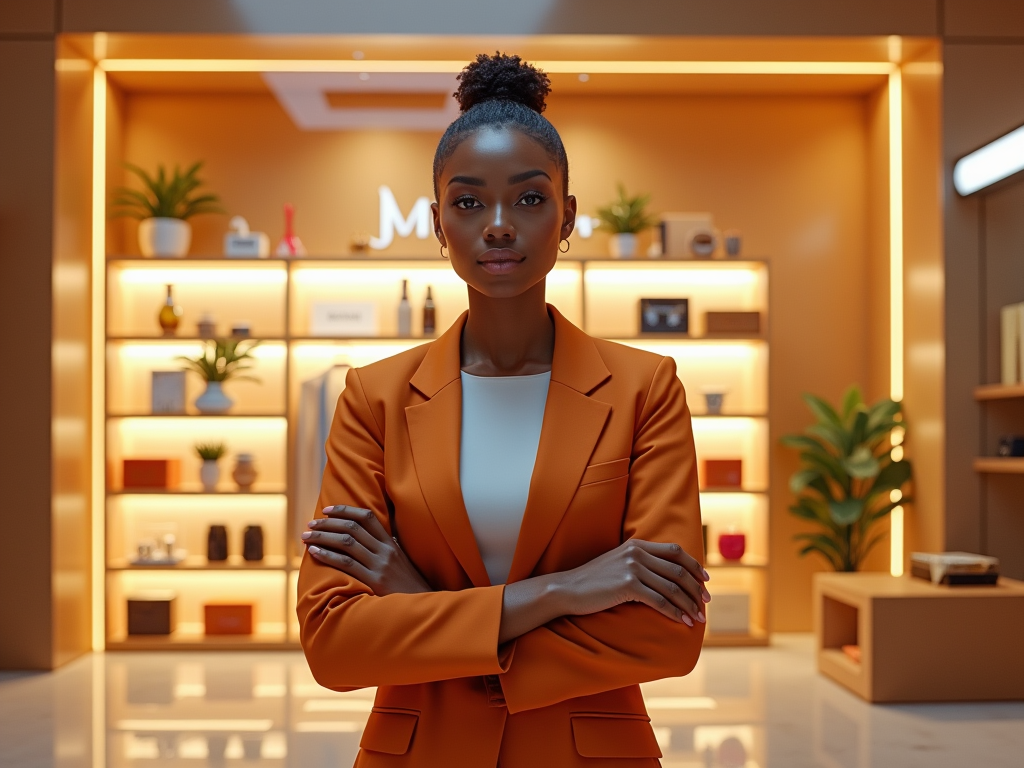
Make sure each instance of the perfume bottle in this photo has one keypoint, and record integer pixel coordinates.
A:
(405, 312)
(170, 314)
(429, 321)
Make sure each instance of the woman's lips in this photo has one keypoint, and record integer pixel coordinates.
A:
(500, 261)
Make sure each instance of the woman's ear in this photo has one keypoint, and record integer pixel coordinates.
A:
(435, 211)
(568, 217)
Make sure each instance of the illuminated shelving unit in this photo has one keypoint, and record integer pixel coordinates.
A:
(275, 296)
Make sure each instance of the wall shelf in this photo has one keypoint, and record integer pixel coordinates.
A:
(200, 563)
(999, 465)
(999, 391)
(756, 639)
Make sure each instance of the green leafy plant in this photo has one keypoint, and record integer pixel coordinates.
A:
(166, 195)
(627, 215)
(211, 451)
(222, 360)
(846, 482)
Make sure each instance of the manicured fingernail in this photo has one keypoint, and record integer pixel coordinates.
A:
(706, 596)
(312, 524)
(314, 550)
(707, 576)
(327, 509)
(687, 620)
(306, 534)
(700, 617)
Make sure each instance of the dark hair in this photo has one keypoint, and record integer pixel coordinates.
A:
(502, 91)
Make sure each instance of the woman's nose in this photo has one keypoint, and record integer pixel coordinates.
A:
(499, 226)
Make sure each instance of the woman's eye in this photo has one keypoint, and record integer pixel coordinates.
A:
(466, 203)
(531, 198)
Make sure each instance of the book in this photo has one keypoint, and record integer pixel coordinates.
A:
(954, 568)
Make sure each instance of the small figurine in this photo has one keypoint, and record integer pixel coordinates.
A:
(290, 244)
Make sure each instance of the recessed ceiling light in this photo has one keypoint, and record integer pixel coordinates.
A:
(584, 77)
(994, 162)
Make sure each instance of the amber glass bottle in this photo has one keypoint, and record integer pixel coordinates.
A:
(170, 314)
(429, 317)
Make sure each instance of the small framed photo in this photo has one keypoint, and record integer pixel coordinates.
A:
(168, 392)
(665, 316)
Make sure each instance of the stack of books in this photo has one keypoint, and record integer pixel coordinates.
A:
(954, 568)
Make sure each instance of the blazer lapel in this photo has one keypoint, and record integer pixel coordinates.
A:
(573, 423)
(435, 434)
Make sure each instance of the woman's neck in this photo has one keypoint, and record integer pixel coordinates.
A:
(508, 337)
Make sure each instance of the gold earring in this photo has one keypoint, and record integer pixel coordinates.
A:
(442, 252)
(568, 245)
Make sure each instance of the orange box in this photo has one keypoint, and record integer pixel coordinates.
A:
(748, 323)
(164, 474)
(723, 473)
(222, 619)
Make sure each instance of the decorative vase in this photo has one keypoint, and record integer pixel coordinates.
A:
(252, 543)
(170, 314)
(732, 546)
(213, 400)
(209, 473)
(217, 544)
(623, 245)
(164, 238)
(245, 472)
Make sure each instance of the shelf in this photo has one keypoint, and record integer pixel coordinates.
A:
(729, 415)
(1000, 465)
(733, 490)
(756, 639)
(177, 338)
(999, 391)
(114, 416)
(169, 492)
(200, 563)
(181, 641)
(375, 258)
(746, 562)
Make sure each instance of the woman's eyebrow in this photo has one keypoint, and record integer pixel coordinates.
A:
(527, 175)
(471, 180)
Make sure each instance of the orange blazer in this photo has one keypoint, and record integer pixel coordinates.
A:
(615, 461)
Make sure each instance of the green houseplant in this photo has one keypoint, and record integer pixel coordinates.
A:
(625, 217)
(209, 472)
(164, 207)
(221, 361)
(849, 480)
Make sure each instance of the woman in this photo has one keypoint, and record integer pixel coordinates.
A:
(540, 486)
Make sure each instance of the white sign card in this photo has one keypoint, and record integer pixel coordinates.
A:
(343, 318)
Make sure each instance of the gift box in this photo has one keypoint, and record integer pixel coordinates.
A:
(162, 474)
(151, 613)
(723, 473)
(228, 619)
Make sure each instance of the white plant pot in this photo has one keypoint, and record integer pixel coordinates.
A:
(209, 474)
(623, 245)
(165, 238)
(213, 400)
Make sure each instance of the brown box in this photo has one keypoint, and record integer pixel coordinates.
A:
(151, 613)
(235, 619)
(747, 323)
(723, 473)
(163, 474)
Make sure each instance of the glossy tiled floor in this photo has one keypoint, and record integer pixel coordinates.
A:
(739, 709)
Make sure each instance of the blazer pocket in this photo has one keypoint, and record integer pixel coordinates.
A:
(389, 730)
(614, 735)
(608, 470)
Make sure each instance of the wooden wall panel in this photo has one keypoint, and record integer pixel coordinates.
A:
(28, 17)
(984, 18)
(26, 224)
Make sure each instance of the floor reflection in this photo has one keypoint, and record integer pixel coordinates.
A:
(741, 708)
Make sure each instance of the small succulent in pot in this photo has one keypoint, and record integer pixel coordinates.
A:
(209, 472)
(222, 360)
(626, 217)
(211, 451)
(164, 207)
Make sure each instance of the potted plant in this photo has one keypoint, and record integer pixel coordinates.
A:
(164, 208)
(209, 473)
(625, 218)
(222, 360)
(849, 479)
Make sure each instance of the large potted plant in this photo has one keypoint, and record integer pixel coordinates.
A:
(221, 361)
(849, 479)
(625, 218)
(164, 208)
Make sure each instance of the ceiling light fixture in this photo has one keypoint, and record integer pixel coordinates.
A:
(994, 162)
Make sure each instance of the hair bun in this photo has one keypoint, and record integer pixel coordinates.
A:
(502, 77)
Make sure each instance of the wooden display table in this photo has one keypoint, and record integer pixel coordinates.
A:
(919, 641)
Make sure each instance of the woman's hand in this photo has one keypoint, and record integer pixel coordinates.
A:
(662, 576)
(353, 541)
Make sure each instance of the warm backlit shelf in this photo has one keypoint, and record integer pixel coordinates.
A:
(139, 339)
(999, 391)
(191, 492)
(188, 641)
(377, 258)
(999, 465)
(755, 639)
(715, 561)
(114, 416)
(748, 491)
(200, 563)
(729, 415)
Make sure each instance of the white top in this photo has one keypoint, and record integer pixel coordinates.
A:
(501, 421)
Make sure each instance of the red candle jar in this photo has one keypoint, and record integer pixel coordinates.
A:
(731, 546)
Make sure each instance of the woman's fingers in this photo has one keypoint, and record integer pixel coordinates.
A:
(342, 543)
(343, 563)
(672, 592)
(674, 553)
(345, 526)
(363, 517)
(661, 604)
(679, 576)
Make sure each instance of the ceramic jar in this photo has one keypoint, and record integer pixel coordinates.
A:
(245, 473)
(209, 474)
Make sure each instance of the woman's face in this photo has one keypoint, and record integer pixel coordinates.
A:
(501, 212)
